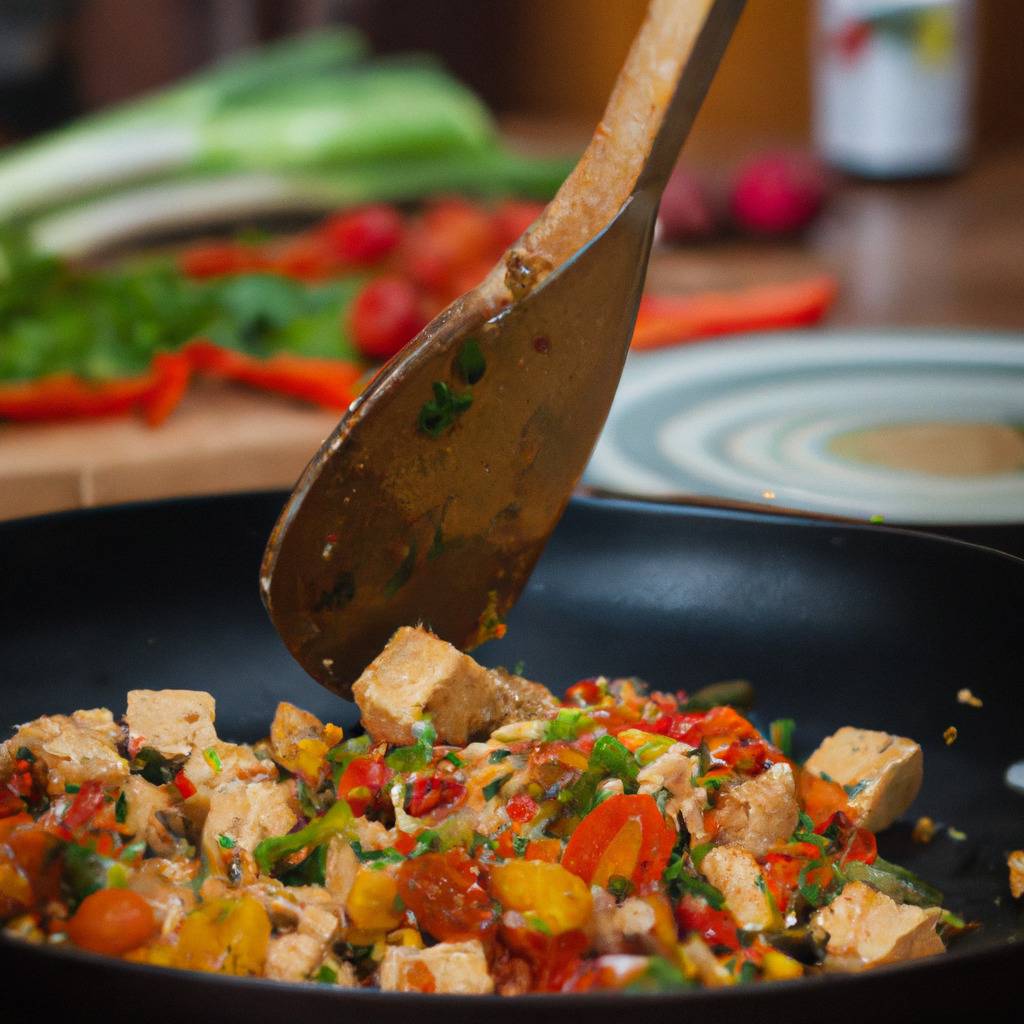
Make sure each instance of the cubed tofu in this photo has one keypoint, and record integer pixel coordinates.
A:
(867, 929)
(674, 770)
(290, 727)
(883, 772)
(74, 749)
(734, 872)
(172, 722)
(760, 812)
(293, 957)
(341, 869)
(248, 814)
(416, 675)
(144, 803)
(226, 763)
(453, 967)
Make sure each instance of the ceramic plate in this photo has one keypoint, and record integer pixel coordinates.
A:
(912, 428)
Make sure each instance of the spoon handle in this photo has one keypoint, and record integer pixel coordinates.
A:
(652, 106)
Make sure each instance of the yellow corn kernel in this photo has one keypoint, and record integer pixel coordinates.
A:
(225, 936)
(405, 937)
(371, 903)
(309, 759)
(546, 891)
(779, 967)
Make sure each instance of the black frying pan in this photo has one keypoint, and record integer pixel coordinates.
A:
(834, 624)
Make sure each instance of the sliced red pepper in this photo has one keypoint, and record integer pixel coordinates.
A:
(624, 835)
(63, 396)
(184, 785)
(668, 320)
(327, 382)
(716, 927)
(361, 781)
(88, 800)
(172, 371)
(216, 259)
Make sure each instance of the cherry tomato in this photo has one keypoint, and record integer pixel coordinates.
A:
(444, 892)
(428, 794)
(364, 236)
(112, 921)
(624, 835)
(385, 315)
(452, 236)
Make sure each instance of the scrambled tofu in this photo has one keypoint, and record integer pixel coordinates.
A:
(760, 812)
(453, 967)
(735, 873)
(73, 748)
(419, 675)
(866, 929)
(171, 722)
(882, 773)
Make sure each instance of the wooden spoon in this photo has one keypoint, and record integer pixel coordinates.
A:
(433, 498)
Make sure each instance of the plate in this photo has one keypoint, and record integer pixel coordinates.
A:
(909, 428)
(834, 624)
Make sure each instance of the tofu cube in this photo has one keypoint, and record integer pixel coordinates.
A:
(452, 967)
(760, 812)
(868, 929)
(248, 814)
(883, 772)
(416, 675)
(172, 722)
(734, 871)
(293, 957)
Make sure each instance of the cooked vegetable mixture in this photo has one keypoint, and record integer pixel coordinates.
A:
(481, 836)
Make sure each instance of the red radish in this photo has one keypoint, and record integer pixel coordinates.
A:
(385, 315)
(364, 236)
(778, 193)
(686, 211)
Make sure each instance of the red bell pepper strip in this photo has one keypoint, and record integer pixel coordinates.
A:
(327, 382)
(668, 320)
(65, 396)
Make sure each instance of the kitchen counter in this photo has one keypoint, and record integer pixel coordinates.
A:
(941, 254)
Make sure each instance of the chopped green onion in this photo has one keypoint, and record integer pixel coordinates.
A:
(121, 809)
(492, 788)
(454, 759)
(567, 725)
(326, 975)
(225, 842)
(497, 756)
(212, 758)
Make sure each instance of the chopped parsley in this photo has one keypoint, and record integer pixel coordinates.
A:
(470, 363)
(856, 788)
(439, 414)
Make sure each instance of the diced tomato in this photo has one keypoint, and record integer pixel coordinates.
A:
(443, 890)
(184, 785)
(716, 927)
(112, 921)
(364, 236)
(88, 800)
(584, 693)
(433, 792)
(361, 781)
(819, 798)
(385, 316)
(555, 959)
(549, 850)
(861, 846)
(782, 874)
(624, 835)
(522, 807)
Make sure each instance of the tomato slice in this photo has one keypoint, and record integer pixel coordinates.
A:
(443, 890)
(624, 835)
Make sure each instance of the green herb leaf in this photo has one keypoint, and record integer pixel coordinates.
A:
(326, 975)
(519, 845)
(660, 976)
(440, 413)
(225, 842)
(894, 881)
(620, 886)
(121, 809)
(154, 767)
(470, 363)
(24, 754)
(857, 788)
(492, 788)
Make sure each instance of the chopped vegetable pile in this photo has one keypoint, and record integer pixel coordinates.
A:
(480, 836)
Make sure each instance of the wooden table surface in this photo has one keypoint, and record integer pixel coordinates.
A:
(943, 254)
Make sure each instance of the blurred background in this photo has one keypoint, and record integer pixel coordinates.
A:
(858, 165)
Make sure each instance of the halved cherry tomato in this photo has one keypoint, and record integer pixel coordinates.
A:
(112, 921)
(444, 892)
(625, 835)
